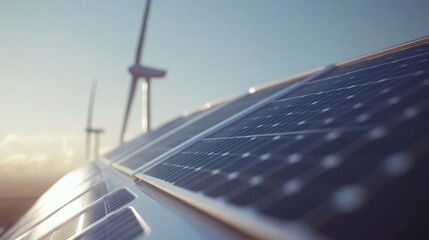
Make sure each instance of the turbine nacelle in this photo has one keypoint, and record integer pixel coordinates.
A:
(138, 71)
(95, 130)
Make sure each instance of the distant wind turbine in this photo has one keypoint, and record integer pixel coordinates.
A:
(89, 129)
(138, 71)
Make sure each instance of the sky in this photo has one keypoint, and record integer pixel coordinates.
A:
(51, 51)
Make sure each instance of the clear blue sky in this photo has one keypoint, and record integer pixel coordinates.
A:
(50, 51)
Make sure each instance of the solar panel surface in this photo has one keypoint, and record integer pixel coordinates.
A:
(345, 153)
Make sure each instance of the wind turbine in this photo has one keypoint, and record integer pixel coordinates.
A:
(89, 129)
(138, 71)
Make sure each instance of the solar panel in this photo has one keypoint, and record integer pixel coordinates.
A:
(149, 152)
(121, 225)
(344, 153)
(76, 182)
(91, 214)
(45, 220)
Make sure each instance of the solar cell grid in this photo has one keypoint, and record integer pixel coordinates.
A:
(323, 151)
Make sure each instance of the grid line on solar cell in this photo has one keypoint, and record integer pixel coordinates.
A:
(335, 141)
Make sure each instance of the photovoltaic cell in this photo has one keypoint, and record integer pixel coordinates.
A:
(345, 153)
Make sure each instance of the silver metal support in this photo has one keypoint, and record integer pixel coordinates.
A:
(147, 123)
(97, 145)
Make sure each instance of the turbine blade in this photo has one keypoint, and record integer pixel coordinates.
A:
(142, 34)
(128, 107)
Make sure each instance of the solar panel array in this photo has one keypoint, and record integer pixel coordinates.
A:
(345, 153)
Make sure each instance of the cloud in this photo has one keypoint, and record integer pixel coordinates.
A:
(8, 140)
(40, 153)
(18, 157)
(22, 158)
(40, 158)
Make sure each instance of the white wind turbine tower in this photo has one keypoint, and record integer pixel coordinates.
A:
(138, 71)
(89, 129)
